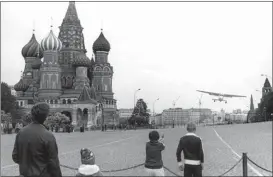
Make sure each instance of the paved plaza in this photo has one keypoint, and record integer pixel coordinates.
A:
(121, 149)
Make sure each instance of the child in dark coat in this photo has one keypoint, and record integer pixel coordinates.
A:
(154, 163)
(88, 167)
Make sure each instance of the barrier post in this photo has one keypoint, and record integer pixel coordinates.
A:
(244, 164)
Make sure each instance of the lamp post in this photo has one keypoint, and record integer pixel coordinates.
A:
(154, 106)
(102, 116)
(174, 102)
(135, 97)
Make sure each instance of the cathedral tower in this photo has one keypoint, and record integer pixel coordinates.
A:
(102, 70)
(50, 82)
(267, 87)
(73, 44)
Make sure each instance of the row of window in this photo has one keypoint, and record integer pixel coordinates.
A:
(64, 101)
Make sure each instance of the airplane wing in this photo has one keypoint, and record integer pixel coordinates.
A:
(210, 93)
(227, 95)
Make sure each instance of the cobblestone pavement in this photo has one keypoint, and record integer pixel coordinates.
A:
(121, 149)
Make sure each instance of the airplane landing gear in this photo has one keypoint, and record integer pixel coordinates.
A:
(226, 102)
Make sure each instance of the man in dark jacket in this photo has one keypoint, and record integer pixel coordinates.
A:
(35, 148)
(191, 145)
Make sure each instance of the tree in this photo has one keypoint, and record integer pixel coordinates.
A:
(8, 101)
(57, 119)
(5, 117)
(140, 115)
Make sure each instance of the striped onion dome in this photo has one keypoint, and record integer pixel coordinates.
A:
(32, 48)
(51, 42)
(81, 60)
(21, 86)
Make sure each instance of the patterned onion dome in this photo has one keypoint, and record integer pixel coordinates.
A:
(101, 44)
(81, 60)
(51, 42)
(20, 86)
(31, 48)
(36, 64)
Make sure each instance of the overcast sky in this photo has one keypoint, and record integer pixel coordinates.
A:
(166, 49)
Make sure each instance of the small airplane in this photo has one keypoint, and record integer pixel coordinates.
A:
(220, 96)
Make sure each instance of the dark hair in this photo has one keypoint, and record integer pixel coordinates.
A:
(40, 112)
(154, 136)
(191, 127)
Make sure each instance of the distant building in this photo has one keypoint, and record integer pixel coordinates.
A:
(180, 116)
(124, 114)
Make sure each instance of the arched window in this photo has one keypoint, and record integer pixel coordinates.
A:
(51, 101)
(64, 101)
(106, 69)
(98, 68)
(56, 101)
(69, 101)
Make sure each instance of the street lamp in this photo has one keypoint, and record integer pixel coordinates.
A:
(154, 106)
(135, 97)
(174, 102)
(102, 116)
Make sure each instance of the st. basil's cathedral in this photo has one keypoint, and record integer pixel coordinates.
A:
(58, 72)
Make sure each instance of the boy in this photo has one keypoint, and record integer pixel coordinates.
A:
(154, 163)
(88, 167)
(191, 145)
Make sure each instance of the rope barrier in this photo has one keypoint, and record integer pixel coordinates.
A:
(71, 168)
(135, 166)
(171, 171)
(123, 169)
(231, 167)
(259, 165)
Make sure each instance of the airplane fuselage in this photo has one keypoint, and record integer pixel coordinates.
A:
(220, 99)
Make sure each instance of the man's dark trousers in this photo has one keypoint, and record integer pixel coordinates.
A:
(192, 171)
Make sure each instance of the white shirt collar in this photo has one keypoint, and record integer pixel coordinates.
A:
(191, 134)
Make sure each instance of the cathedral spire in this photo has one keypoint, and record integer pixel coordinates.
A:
(251, 103)
(71, 15)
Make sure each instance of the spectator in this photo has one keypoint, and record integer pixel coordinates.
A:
(88, 167)
(35, 148)
(191, 145)
(2, 128)
(154, 163)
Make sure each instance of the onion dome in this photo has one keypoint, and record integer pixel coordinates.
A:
(32, 48)
(81, 60)
(20, 86)
(36, 64)
(101, 44)
(51, 42)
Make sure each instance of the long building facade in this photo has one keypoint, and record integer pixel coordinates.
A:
(179, 116)
(58, 72)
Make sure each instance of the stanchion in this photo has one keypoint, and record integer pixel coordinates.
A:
(244, 165)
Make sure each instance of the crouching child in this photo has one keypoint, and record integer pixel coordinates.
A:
(88, 167)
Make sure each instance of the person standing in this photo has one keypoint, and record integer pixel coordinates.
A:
(192, 148)
(154, 163)
(35, 148)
